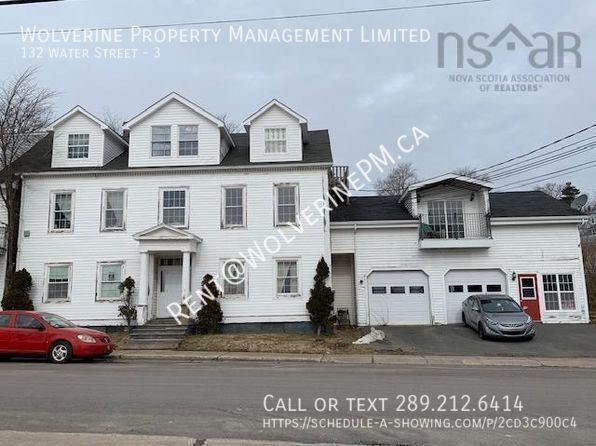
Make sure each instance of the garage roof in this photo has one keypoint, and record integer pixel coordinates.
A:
(503, 204)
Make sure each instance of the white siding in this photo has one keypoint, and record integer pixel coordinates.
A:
(542, 249)
(113, 147)
(275, 117)
(86, 245)
(78, 123)
(473, 201)
(174, 114)
(343, 283)
(342, 241)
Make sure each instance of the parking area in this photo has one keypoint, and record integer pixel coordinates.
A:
(561, 340)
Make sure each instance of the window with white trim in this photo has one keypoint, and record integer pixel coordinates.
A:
(113, 209)
(161, 140)
(108, 280)
(174, 207)
(78, 145)
(58, 282)
(188, 140)
(275, 140)
(61, 211)
(234, 278)
(286, 203)
(233, 206)
(446, 218)
(287, 280)
(558, 292)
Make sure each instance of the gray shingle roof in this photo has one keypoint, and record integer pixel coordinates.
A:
(528, 204)
(370, 209)
(503, 204)
(316, 150)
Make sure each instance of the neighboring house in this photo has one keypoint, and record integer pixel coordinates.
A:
(181, 197)
(588, 228)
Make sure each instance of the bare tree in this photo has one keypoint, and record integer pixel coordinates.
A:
(402, 176)
(470, 172)
(25, 111)
(230, 125)
(113, 120)
(555, 190)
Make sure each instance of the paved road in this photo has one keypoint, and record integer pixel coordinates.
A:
(215, 400)
(552, 340)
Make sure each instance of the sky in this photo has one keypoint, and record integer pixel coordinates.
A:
(366, 93)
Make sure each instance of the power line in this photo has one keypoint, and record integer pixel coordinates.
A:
(545, 146)
(543, 162)
(548, 178)
(549, 175)
(269, 18)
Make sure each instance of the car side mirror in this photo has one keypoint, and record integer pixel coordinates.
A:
(40, 328)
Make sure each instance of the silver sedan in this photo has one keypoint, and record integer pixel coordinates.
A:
(497, 316)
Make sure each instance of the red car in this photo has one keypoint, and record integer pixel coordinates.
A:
(31, 333)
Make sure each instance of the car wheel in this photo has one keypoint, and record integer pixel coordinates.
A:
(529, 338)
(481, 333)
(463, 318)
(60, 352)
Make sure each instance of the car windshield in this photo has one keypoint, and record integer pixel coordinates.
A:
(56, 321)
(499, 306)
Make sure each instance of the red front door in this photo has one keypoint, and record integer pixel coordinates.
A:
(528, 295)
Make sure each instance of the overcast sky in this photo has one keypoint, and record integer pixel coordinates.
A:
(366, 94)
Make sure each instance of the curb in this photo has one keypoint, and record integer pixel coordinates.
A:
(428, 360)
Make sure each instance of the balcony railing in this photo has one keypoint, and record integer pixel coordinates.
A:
(455, 226)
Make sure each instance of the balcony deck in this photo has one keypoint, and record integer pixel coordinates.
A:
(455, 231)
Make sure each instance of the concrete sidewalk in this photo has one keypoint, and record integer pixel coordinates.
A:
(430, 360)
(12, 438)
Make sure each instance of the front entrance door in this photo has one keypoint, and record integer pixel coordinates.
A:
(528, 295)
(169, 284)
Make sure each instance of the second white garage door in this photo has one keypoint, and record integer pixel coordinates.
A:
(399, 298)
(462, 283)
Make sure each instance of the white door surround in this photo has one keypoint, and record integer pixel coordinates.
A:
(169, 284)
(163, 241)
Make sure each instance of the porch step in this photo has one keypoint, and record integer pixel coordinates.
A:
(157, 334)
(151, 344)
(163, 321)
(156, 329)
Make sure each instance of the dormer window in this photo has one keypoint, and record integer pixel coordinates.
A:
(188, 140)
(161, 140)
(78, 145)
(275, 140)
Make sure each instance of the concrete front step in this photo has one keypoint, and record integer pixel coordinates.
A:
(163, 322)
(160, 329)
(157, 335)
(151, 344)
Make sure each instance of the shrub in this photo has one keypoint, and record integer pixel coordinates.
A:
(320, 303)
(210, 313)
(16, 294)
(127, 310)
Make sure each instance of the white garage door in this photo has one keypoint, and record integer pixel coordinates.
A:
(462, 283)
(399, 298)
